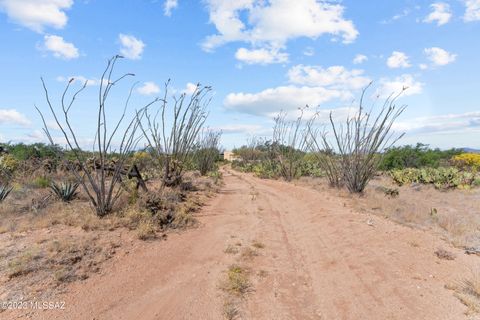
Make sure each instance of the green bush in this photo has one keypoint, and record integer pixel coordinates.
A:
(441, 178)
(41, 182)
(416, 157)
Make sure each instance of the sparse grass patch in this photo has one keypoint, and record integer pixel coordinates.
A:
(21, 265)
(257, 244)
(231, 249)
(146, 230)
(237, 281)
(249, 253)
(468, 292)
(41, 182)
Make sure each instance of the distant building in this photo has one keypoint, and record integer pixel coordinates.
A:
(230, 156)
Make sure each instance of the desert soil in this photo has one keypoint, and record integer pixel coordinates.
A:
(320, 260)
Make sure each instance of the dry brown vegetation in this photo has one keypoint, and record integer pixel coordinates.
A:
(47, 243)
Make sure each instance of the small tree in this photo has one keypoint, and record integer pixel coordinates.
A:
(288, 145)
(208, 151)
(102, 191)
(173, 144)
(327, 160)
(359, 143)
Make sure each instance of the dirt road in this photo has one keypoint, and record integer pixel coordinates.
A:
(320, 260)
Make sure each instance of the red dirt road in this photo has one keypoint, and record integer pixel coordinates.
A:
(321, 260)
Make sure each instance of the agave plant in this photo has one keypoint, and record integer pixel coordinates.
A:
(4, 191)
(66, 191)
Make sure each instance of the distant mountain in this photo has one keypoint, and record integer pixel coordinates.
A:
(471, 150)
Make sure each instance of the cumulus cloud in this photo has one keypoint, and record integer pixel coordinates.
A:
(148, 88)
(271, 24)
(395, 86)
(81, 80)
(270, 101)
(308, 85)
(440, 14)
(472, 12)
(439, 56)
(132, 48)
(60, 48)
(261, 56)
(37, 14)
(168, 6)
(12, 116)
(359, 59)
(440, 123)
(398, 60)
(334, 77)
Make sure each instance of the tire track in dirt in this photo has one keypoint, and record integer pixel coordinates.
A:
(321, 260)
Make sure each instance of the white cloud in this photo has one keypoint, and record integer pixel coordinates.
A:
(148, 88)
(270, 101)
(439, 56)
(440, 14)
(168, 6)
(472, 12)
(398, 60)
(37, 14)
(309, 51)
(12, 116)
(60, 48)
(405, 12)
(334, 77)
(360, 58)
(308, 85)
(440, 123)
(270, 24)
(81, 80)
(242, 128)
(423, 66)
(132, 48)
(395, 86)
(261, 56)
(190, 88)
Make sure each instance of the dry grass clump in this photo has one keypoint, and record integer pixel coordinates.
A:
(47, 265)
(257, 244)
(468, 292)
(444, 254)
(231, 249)
(237, 281)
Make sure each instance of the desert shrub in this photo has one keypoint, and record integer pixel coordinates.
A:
(358, 142)
(23, 152)
(256, 149)
(288, 146)
(66, 191)
(467, 160)
(102, 186)
(309, 166)
(171, 132)
(207, 152)
(266, 170)
(417, 156)
(8, 166)
(41, 182)
(441, 178)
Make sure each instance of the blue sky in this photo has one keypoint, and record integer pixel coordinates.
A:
(259, 56)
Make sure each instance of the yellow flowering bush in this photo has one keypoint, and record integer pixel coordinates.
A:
(471, 160)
